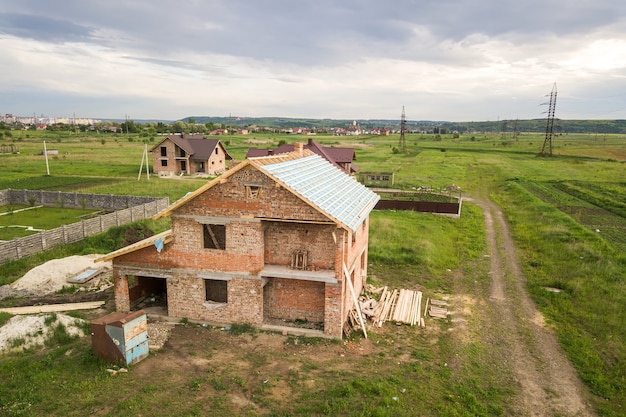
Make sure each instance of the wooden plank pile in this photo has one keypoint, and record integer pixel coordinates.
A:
(399, 306)
(438, 309)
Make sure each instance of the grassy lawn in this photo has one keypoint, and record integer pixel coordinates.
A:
(567, 214)
(15, 220)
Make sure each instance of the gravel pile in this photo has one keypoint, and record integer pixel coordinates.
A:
(158, 333)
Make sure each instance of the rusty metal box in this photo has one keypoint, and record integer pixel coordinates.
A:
(121, 337)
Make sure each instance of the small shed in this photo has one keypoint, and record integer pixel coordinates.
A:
(121, 337)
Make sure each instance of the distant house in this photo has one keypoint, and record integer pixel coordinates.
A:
(189, 154)
(340, 157)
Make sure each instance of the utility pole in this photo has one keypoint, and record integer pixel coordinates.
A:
(547, 143)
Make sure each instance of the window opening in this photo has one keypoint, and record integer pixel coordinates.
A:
(163, 162)
(216, 290)
(163, 151)
(214, 236)
(253, 191)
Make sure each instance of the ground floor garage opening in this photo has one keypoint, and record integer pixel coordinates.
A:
(148, 294)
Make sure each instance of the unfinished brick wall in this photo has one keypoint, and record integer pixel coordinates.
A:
(243, 252)
(217, 161)
(230, 199)
(283, 239)
(292, 299)
(122, 299)
(187, 298)
(333, 312)
(171, 167)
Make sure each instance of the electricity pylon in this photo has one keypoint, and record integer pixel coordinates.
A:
(402, 143)
(547, 143)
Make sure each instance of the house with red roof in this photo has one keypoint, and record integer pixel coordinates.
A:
(342, 158)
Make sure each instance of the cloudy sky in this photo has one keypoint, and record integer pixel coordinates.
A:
(456, 60)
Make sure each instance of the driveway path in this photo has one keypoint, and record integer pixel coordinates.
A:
(547, 382)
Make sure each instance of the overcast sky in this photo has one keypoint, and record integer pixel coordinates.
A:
(455, 60)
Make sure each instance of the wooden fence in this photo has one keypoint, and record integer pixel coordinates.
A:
(30, 245)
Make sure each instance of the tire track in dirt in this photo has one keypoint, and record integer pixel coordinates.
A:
(547, 382)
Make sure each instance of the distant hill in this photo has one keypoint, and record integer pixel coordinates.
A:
(528, 125)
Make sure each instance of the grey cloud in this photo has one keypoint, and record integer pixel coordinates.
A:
(43, 28)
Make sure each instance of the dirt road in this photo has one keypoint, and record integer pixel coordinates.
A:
(520, 340)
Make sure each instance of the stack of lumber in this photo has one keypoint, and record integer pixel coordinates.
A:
(438, 309)
(400, 306)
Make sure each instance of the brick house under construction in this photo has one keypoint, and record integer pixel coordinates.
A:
(190, 155)
(270, 241)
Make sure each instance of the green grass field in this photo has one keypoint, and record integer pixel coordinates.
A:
(567, 214)
(18, 221)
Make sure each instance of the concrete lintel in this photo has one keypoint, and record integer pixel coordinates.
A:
(280, 271)
(223, 276)
(145, 272)
(217, 220)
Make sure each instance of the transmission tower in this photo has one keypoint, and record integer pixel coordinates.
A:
(402, 143)
(547, 143)
(516, 130)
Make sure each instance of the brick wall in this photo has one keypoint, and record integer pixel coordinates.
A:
(282, 239)
(171, 167)
(294, 299)
(187, 298)
(244, 247)
(217, 161)
(333, 314)
(122, 299)
(229, 199)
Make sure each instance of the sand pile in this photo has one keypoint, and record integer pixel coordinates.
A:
(52, 275)
(22, 332)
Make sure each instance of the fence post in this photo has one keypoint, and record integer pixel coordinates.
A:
(17, 248)
(64, 237)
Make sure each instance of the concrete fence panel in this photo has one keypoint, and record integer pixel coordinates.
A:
(128, 209)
